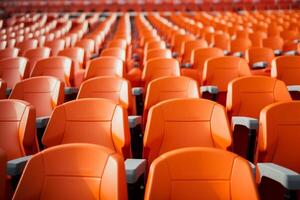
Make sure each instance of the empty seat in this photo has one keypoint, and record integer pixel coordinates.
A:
(179, 123)
(26, 45)
(190, 46)
(58, 66)
(239, 46)
(117, 43)
(3, 87)
(12, 70)
(8, 53)
(115, 52)
(275, 43)
(200, 173)
(76, 54)
(33, 55)
(222, 41)
(108, 87)
(104, 66)
(102, 121)
(88, 45)
(178, 41)
(55, 46)
(157, 53)
(74, 171)
(43, 92)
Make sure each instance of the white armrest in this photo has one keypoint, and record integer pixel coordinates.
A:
(134, 169)
(291, 53)
(134, 120)
(210, 89)
(277, 52)
(249, 122)
(286, 177)
(136, 91)
(41, 122)
(259, 65)
(15, 167)
(71, 90)
(293, 88)
(238, 54)
(226, 52)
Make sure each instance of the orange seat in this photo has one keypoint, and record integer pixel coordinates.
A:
(115, 52)
(108, 87)
(89, 47)
(103, 122)
(57, 66)
(179, 123)
(275, 43)
(240, 45)
(3, 87)
(26, 45)
(159, 67)
(200, 173)
(2, 173)
(17, 128)
(178, 41)
(117, 43)
(55, 46)
(8, 53)
(43, 92)
(104, 66)
(154, 44)
(76, 54)
(157, 53)
(222, 41)
(165, 88)
(190, 46)
(74, 171)
(33, 55)
(12, 70)
(257, 38)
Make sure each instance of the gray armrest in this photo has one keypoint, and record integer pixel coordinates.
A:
(286, 177)
(71, 90)
(8, 91)
(15, 167)
(253, 168)
(226, 52)
(136, 91)
(277, 52)
(41, 122)
(238, 54)
(259, 65)
(293, 88)
(175, 54)
(134, 120)
(210, 89)
(186, 65)
(249, 122)
(134, 169)
(291, 53)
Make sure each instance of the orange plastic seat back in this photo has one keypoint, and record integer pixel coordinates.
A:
(159, 67)
(191, 45)
(117, 43)
(222, 41)
(43, 92)
(57, 66)
(2, 173)
(104, 66)
(9, 53)
(26, 45)
(33, 55)
(286, 68)
(178, 41)
(74, 171)
(55, 46)
(290, 35)
(279, 135)
(200, 56)
(115, 52)
(275, 43)
(264, 90)
(240, 45)
(88, 45)
(257, 38)
(103, 122)
(259, 54)
(3, 86)
(200, 173)
(76, 54)
(154, 44)
(12, 70)
(107, 87)
(179, 123)
(157, 53)
(17, 128)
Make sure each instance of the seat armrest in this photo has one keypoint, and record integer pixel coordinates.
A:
(136, 91)
(134, 120)
(259, 65)
(186, 65)
(175, 54)
(134, 169)
(253, 168)
(291, 53)
(293, 88)
(15, 167)
(8, 91)
(238, 54)
(210, 89)
(286, 177)
(277, 52)
(41, 122)
(226, 52)
(71, 90)
(249, 122)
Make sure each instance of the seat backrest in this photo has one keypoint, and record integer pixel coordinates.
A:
(43, 92)
(178, 41)
(257, 38)
(2, 173)
(76, 54)
(74, 171)
(57, 66)
(3, 86)
(191, 45)
(165, 88)
(240, 45)
(26, 45)
(279, 134)
(87, 44)
(17, 128)
(159, 67)
(287, 69)
(221, 70)
(33, 55)
(195, 173)
(12, 70)
(104, 66)
(8, 53)
(157, 53)
(244, 90)
(103, 122)
(259, 54)
(55, 46)
(201, 55)
(179, 123)
(108, 87)
(154, 44)
(115, 52)
(117, 43)
(275, 43)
